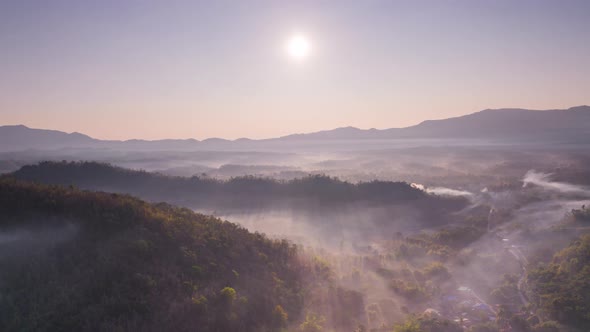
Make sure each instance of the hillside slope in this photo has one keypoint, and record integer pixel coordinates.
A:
(317, 196)
(561, 289)
(155, 186)
(84, 261)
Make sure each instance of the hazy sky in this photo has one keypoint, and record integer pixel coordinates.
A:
(172, 69)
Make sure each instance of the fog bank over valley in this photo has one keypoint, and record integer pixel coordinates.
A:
(353, 234)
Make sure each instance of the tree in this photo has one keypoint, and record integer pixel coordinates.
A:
(427, 323)
(485, 327)
(312, 323)
(548, 326)
(280, 316)
(228, 294)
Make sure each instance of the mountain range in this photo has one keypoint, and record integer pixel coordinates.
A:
(511, 125)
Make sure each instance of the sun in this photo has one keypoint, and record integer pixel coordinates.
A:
(298, 47)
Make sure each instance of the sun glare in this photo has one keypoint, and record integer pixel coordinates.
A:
(298, 47)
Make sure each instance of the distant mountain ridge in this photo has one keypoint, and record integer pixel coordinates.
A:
(25, 137)
(488, 123)
(506, 124)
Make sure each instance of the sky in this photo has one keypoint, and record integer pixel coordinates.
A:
(198, 69)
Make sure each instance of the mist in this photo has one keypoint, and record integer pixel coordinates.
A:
(544, 180)
(383, 233)
(295, 166)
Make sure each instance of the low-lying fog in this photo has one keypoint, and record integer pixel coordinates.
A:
(517, 204)
(524, 217)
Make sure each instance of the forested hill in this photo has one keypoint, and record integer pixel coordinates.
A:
(241, 191)
(73, 260)
(561, 289)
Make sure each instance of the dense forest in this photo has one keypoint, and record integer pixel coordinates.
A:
(75, 259)
(325, 206)
(561, 289)
(323, 191)
(83, 261)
